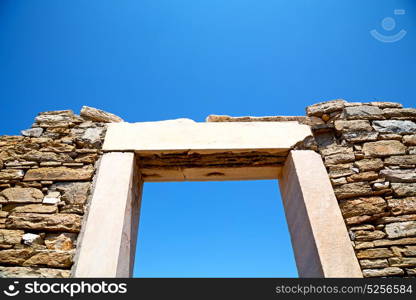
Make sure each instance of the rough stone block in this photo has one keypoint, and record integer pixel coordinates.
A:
(401, 229)
(395, 126)
(46, 222)
(383, 148)
(59, 174)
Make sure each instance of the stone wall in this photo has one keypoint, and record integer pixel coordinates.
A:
(45, 182)
(369, 150)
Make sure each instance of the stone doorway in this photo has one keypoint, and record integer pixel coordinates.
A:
(183, 150)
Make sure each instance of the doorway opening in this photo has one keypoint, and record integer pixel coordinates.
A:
(213, 229)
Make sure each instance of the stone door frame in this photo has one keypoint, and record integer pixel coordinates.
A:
(166, 151)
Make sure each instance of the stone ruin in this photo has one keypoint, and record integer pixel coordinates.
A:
(369, 151)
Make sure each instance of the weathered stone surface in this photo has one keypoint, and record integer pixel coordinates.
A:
(57, 259)
(339, 158)
(411, 272)
(409, 139)
(46, 222)
(402, 261)
(353, 125)
(60, 241)
(393, 219)
(390, 271)
(375, 253)
(409, 251)
(398, 242)
(365, 235)
(22, 195)
(351, 190)
(405, 175)
(402, 206)
(401, 229)
(400, 113)
(404, 189)
(33, 272)
(87, 158)
(373, 164)
(338, 181)
(63, 118)
(74, 194)
(362, 227)
(360, 136)
(362, 206)
(60, 174)
(390, 136)
(383, 148)
(374, 263)
(41, 156)
(15, 256)
(365, 176)
(32, 132)
(401, 160)
(395, 126)
(98, 115)
(10, 174)
(386, 104)
(364, 112)
(58, 148)
(325, 107)
(10, 237)
(34, 208)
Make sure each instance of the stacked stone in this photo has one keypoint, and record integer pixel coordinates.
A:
(369, 150)
(45, 181)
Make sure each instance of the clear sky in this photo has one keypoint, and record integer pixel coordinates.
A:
(162, 59)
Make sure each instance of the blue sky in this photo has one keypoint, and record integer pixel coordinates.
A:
(163, 59)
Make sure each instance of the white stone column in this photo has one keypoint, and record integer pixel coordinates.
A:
(319, 236)
(109, 239)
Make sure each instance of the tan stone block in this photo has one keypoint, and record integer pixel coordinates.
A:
(56, 259)
(22, 195)
(374, 263)
(351, 190)
(46, 222)
(383, 148)
(33, 272)
(402, 205)
(409, 139)
(401, 160)
(353, 125)
(362, 206)
(11, 174)
(365, 176)
(60, 241)
(390, 271)
(363, 235)
(402, 261)
(374, 164)
(59, 174)
(397, 242)
(404, 189)
(374, 253)
(14, 256)
(10, 237)
(34, 208)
